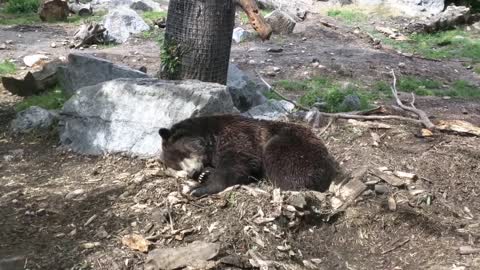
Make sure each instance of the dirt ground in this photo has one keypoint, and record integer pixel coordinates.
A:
(48, 194)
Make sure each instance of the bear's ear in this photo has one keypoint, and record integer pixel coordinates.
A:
(164, 133)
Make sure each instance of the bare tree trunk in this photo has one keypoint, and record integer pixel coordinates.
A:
(197, 41)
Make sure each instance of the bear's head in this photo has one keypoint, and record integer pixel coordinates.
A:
(183, 151)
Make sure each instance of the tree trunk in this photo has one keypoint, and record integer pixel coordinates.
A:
(197, 41)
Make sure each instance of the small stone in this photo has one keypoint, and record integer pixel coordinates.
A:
(276, 69)
(252, 62)
(41, 212)
(381, 189)
(304, 38)
(3, 46)
(275, 50)
(53, 45)
(9, 41)
(401, 64)
(74, 194)
(90, 245)
(446, 97)
(464, 111)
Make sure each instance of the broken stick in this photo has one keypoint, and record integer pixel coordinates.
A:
(256, 20)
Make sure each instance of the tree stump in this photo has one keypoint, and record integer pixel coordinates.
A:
(53, 10)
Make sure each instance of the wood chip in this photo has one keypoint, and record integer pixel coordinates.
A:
(392, 204)
(406, 175)
(390, 179)
(468, 250)
(459, 126)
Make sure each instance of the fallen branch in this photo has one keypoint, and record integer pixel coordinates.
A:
(355, 115)
(256, 19)
(332, 119)
(423, 117)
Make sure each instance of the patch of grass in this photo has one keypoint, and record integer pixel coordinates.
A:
(150, 16)
(292, 85)
(272, 95)
(442, 45)
(421, 87)
(154, 34)
(24, 19)
(347, 15)
(330, 93)
(463, 89)
(7, 67)
(51, 100)
(21, 6)
(476, 69)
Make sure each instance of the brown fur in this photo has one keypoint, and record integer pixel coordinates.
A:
(240, 149)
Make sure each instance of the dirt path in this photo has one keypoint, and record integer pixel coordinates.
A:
(48, 194)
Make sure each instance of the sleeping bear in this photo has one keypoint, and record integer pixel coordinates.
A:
(240, 150)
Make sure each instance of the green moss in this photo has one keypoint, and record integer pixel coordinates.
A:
(7, 67)
(53, 99)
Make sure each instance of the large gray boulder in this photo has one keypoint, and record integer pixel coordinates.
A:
(245, 92)
(408, 7)
(122, 22)
(124, 115)
(85, 70)
(32, 119)
(281, 22)
(154, 5)
(271, 110)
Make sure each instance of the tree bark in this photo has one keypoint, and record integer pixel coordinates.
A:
(198, 39)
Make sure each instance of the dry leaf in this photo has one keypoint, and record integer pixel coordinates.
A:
(136, 242)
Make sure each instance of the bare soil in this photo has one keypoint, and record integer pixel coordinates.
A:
(43, 222)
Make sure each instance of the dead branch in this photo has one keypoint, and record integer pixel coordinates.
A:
(423, 117)
(330, 122)
(342, 115)
(256, 19)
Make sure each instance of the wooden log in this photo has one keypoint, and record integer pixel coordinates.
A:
(256, 19)
(33, 83)
(80, 9)
(53, 10)
(89, 34)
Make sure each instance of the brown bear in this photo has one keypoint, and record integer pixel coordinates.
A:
(240, 150)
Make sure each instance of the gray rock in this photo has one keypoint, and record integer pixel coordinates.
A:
(124, 115)
(194, 254)
(451, 17)
(408, 7)
(122, 22)
(140, 5)
(244, 91)
(271, 110)
(351, 103)
(157, 5)
(85, 70)
(240, 34)
(281, 22)
(291, 7)
(33, 118)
